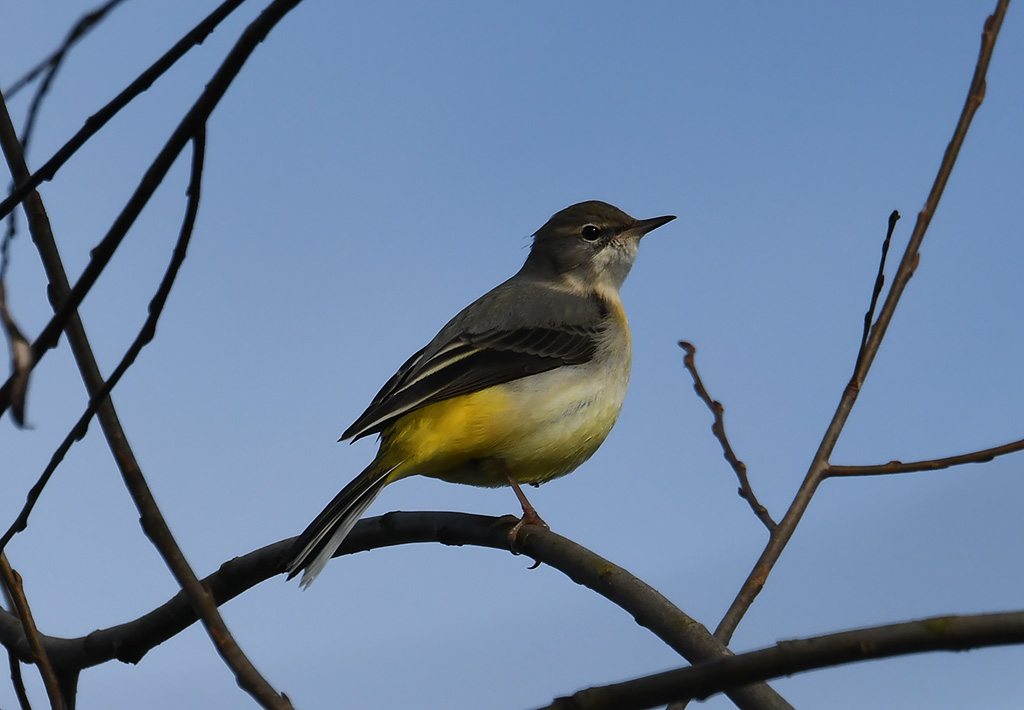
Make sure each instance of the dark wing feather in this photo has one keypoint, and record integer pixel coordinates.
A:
(472, 362)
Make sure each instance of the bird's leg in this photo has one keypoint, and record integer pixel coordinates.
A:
(530, 516)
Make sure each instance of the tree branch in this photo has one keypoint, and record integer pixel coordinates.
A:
(869, 316)
(99, 119)
(191, 128)
(16, 592)
(129, 642)
(54, 61)
(85, 23)
(145, 335)
(781, 535)
(982, 456)
(944, 633)
(17, 681)
(718, 429)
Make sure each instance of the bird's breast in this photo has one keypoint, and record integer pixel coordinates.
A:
(538, 427)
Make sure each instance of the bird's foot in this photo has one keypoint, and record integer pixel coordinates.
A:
(530, 517)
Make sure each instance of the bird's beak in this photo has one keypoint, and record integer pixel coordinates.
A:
(643, 226)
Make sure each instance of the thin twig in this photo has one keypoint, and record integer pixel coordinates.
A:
(78, 31)
(944, 633)
(144, 336)
(12, 582)
(784, 531)
(85, 23)
(156, 529)
(869, 316)
(21, 354)
(894, 467)
(95, 122)
(129, 642)
(190, 128)
(13, 662)
(17, 681)
(718, 429)
(50, 66)
(196, 116)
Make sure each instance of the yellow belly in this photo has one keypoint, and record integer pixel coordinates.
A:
(539, 427)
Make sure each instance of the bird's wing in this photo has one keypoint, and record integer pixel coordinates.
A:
(470, 362)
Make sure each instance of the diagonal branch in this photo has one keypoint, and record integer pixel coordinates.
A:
(18, 681)
(143, 338)
(196, 117)
(191, 128)
(815, 474)
(877, 291)
(718, 429)
(54, 61)
(99, 119)
(79, 30)
(12, 584)
(156, 529)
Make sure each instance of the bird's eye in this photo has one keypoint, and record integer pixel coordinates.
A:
(590, 233)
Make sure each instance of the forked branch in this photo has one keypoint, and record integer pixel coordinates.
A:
(781, 535)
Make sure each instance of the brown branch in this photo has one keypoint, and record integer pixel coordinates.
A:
(944, 633)
(718, 429)
(982, 456)
(781, 535)
(14, 588)
(129, 642)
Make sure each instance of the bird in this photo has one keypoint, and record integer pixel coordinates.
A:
(521, 387)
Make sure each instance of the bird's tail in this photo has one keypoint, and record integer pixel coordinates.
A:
(318, 542)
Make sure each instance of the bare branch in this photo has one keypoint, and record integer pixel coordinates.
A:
(718, 429)
(99, 119)
(129, 642)
(17, 681)
(982, 456)
(78, 31)
(191, 128)
(196, 116)
(14, 588)
(159, 533)
(21, 353)
(944, 633)
(879, 283)
(144, 336)
(781, 535)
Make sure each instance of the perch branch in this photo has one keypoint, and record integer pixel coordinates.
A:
(129, 642)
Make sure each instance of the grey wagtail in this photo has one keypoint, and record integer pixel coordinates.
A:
(522, 386)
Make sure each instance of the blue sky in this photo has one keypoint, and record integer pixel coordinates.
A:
(377, 166)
